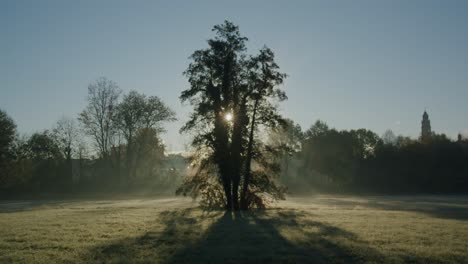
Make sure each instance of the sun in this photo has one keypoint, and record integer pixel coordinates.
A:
(228, 117)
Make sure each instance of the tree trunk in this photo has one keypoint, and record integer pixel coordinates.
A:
(247, 176)
(228, 193)
(236, 151)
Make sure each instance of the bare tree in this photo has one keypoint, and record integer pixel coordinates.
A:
(66, 135)
(389, 137)
(97, 118)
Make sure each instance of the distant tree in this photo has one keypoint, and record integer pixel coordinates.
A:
(7, 140)
(233, 96)
(7, 135)
(155, 113)
(332, 153)
(129, 113)
(43, 146)
(402, 141)
(149, 152)
(366, 142)
(289, 136)
(317, 129)
(97, 118)
(82, 151)
(288, 139)
(66, 134)
(45, 159)
(135, 113)
(389, 137)
(332, 157)
(127, 118)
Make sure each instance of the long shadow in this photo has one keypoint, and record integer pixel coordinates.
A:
(270, 236)
(254, 237)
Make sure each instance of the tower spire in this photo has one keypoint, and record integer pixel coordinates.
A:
(426, 131)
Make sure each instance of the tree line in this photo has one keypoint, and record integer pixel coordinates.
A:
(326, 159)
(116, 139)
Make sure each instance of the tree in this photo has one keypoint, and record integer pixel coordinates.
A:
(149, 152)
(7, 140)
(155, 113)
(66, 135)
(366, 142)
(7, 135)
(289, 139)
(127, 118)
(43, 146)
(263, 77)
(389, 137)
(317, 129)
(332, 153)
(290, 136)
(233, 95)
(137, 112)
(45, 157)
(97, 118)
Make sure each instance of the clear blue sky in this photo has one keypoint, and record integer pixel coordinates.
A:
(371, 64)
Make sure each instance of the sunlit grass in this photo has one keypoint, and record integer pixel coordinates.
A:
(173, 230)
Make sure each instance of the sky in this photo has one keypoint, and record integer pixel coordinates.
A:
(354, 64)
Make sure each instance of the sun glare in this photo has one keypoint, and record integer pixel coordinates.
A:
(228, 117)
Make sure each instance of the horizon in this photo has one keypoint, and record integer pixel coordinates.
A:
(363, 65)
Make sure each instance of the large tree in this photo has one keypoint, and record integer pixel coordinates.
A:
(233, 95)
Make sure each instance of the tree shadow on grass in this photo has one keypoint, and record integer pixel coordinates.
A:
(269, 236)
(256, 237)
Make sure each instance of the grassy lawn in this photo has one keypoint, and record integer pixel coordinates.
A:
(318, 229)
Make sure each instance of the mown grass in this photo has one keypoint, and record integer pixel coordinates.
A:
(319, 229)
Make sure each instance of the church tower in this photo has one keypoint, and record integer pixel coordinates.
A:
(426, 132)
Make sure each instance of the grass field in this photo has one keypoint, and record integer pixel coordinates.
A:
(317, 229)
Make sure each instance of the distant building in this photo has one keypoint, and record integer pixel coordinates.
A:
(426, 132)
